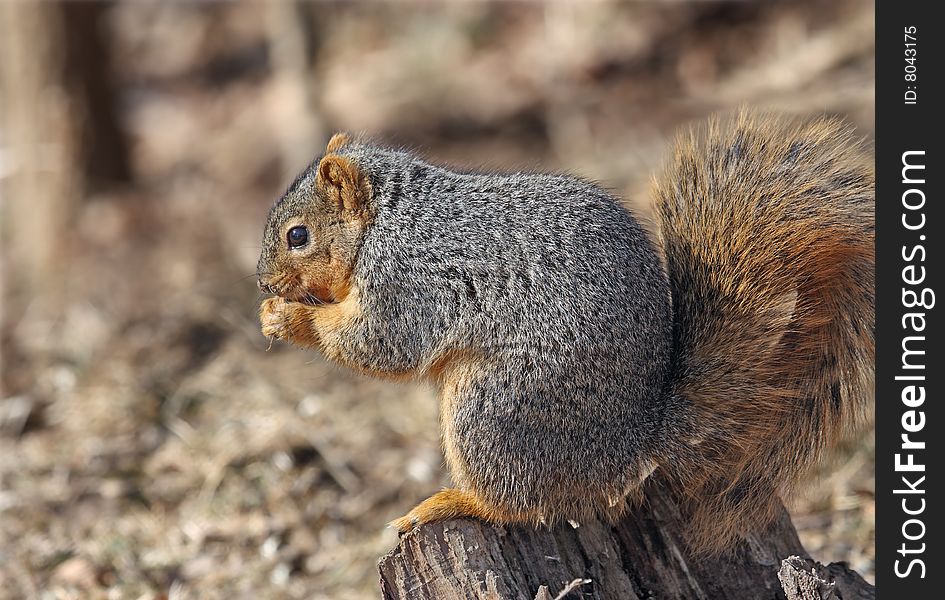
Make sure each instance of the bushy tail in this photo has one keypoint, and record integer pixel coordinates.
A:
(767, 228)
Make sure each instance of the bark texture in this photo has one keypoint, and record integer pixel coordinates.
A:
(644, 556)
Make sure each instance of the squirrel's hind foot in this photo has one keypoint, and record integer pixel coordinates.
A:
(447, 504)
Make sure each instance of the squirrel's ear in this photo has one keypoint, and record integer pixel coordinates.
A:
(337, 141)
(345, 183)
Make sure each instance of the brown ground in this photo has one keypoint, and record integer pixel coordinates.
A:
(151, 446)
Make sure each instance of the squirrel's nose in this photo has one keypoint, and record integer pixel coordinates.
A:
(264, 285)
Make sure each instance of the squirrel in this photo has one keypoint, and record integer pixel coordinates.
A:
(574, 353)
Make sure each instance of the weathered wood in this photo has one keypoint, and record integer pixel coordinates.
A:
(643, 556)
(805, 579)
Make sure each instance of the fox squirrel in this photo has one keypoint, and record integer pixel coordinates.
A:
(572, 355)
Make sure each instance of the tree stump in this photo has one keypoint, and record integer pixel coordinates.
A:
(643, 556)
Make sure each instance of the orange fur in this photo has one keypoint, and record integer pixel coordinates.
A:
(451, 381)
(337, 141)
(345, 184)
(767, 231)
(329, 283)
(451, 504)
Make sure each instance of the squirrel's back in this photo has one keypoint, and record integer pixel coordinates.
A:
(767, 228)
(543, 263)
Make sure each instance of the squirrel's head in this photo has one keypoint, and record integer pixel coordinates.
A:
(313, 232)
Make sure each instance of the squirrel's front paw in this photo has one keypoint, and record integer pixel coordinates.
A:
(288, 321)
(274, 318)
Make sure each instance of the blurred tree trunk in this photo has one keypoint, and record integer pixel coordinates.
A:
(88, 79)
(39, 174)
(294, 42)
(59, 132)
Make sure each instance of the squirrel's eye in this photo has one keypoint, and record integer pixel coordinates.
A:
(297, 237)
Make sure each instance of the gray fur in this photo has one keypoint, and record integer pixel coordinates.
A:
(555, 287)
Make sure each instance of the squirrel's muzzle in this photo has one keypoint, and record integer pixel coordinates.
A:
(265, 285)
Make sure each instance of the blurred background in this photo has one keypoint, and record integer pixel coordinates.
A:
(152, 445)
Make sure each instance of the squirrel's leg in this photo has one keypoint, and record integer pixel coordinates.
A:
(450, 503)
(526, 455)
